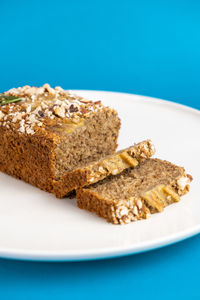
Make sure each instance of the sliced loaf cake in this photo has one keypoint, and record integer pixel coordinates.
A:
(136, 193)
(98, 170)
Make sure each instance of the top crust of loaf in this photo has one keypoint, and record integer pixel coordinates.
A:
(44, 108)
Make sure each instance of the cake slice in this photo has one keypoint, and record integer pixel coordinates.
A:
(136, 193)
(98, 170)
(47, 132)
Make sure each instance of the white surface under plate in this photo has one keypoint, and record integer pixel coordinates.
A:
(35, 225)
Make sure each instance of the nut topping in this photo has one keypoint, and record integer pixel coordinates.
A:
(41, 105)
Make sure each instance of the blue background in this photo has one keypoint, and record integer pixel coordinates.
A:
(143, 47)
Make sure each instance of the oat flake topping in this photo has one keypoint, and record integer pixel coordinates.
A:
(40, 105)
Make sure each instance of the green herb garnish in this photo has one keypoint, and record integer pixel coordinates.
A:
(8, 99)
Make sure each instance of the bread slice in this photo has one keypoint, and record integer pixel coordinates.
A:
(46, 133)
(136, 192)
(98, 170)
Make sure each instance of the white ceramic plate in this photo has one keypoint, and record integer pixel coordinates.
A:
(35, 225)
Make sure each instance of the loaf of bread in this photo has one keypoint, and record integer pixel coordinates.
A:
(46, 133)
(136, 193)
(98, 170)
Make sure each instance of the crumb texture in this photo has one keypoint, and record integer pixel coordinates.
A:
(85, 174)
(136, 192)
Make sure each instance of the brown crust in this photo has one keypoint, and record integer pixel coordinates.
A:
(27, 158)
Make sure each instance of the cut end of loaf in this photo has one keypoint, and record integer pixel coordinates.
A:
(96, 138)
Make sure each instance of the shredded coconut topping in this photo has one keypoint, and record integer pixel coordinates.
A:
(40, 104)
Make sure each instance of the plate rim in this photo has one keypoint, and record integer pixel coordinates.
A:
(111, 252)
